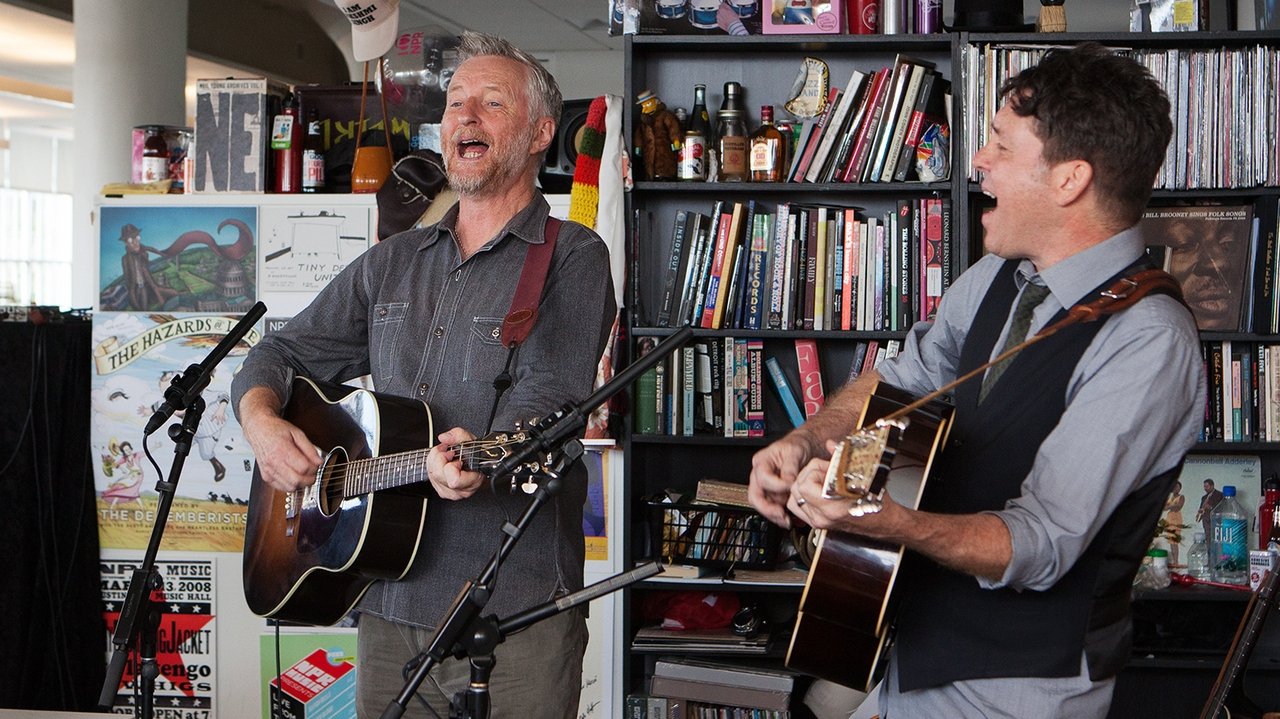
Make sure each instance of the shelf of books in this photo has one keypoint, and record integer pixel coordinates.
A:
(792, 287)
(797, 285)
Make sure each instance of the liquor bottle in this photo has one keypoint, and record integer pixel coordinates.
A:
(155, 155)
(732, 131)
(1267, 510)
(286, 148)
(693, 153)
(1230, 527)
(768, 149)
(313, 156)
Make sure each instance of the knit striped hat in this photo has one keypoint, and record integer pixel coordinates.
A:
(584, 197)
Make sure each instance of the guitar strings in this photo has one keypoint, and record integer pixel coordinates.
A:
(465, 451)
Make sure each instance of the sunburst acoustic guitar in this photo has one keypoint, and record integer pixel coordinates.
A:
(311, 554)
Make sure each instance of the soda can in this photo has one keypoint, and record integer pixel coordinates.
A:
(693, 158)
(864, 16)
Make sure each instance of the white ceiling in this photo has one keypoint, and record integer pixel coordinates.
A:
(37, 50)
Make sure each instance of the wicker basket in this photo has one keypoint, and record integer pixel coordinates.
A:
(709, 535)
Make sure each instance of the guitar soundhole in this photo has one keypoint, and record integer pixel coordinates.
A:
(333, 481)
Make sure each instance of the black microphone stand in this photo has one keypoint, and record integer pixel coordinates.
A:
(554, 439)
(140, 615)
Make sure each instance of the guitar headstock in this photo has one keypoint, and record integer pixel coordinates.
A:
(485, 453)
(860, 466)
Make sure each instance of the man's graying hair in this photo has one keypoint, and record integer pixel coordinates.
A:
(544, 93)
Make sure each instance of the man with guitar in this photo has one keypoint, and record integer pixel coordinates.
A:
(1019, 560)
(422, 313)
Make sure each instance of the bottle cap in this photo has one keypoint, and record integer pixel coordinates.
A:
(1229, 490)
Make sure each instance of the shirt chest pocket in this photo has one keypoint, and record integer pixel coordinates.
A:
(388, 321)
(485, 354)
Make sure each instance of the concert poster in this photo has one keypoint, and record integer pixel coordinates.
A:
(135, 359)
(177, 259)
(303, 248)
(186, 655)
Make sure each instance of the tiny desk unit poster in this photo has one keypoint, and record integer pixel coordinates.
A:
(135, 358)
(303, 248)
(177, 259)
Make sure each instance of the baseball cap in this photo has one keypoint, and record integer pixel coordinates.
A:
(374, 24)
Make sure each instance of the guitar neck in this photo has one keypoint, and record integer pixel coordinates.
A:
(373, 474)
(1255, 615)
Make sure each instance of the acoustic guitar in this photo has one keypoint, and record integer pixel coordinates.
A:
(1227, 699)
(846, 609)
(310, 554)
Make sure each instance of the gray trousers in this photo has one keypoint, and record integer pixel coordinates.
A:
(537, 672)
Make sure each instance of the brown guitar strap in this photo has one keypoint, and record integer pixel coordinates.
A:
(519, 321)
(1121, 295)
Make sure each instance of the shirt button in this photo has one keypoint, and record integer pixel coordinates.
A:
(382, 311)
(422, 388)
(439, 332)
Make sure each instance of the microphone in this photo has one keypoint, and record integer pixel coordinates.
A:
(187, 386)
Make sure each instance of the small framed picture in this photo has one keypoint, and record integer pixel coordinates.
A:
(790, 17)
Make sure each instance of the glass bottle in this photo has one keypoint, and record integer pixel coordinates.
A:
(732, 132)
(1266, 510)
(155, 155)
(1230, 527)
(313, 156)
(286, 148)
(768, 149)
(693, 153)
(1198, 558)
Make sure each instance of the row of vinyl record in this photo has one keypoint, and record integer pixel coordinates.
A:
(1223, 107)
(887, 125)
(805, 266)
(715, 386)
(1243, 398)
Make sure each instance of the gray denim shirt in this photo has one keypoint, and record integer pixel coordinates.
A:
(424, 323)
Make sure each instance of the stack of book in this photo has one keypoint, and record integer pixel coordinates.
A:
(700, 641)
(719, 690)
(883, 126)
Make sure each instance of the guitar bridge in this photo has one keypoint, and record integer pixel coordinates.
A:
(290, 511)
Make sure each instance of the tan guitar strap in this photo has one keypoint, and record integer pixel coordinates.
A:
(1121, 295)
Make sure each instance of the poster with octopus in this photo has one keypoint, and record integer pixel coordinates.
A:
(177, 259)
(136, 356)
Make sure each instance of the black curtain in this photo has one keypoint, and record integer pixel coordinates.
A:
(52, 633)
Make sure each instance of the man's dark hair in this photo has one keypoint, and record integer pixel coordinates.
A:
(1093, 105)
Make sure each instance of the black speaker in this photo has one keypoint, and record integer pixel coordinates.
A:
(990, 16)
(562, 156)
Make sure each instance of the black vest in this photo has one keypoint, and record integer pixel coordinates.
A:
(951, 629)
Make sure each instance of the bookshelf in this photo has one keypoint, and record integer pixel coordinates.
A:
(766, 66)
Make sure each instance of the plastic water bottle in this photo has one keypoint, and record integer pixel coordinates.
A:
(1230, 526)
(1198, 558)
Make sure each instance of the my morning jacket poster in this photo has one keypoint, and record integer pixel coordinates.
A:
(135, 358)
(177, 259)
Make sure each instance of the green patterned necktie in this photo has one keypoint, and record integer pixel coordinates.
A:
(1032, 296)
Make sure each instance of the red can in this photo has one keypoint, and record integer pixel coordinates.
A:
(864, 16)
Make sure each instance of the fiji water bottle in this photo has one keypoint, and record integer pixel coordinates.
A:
(1230, 527)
